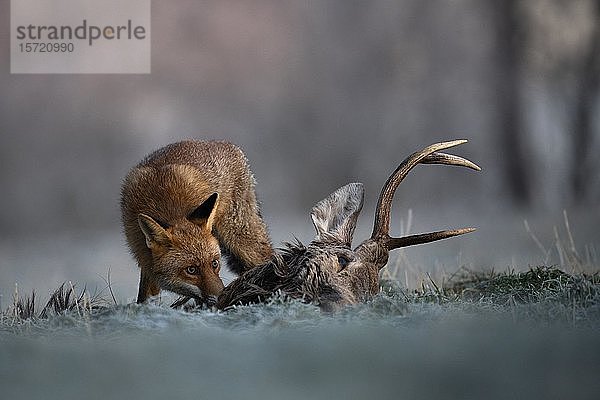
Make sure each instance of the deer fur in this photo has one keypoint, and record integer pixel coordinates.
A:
(327, 272)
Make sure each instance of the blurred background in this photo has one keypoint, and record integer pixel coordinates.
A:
(319, 94)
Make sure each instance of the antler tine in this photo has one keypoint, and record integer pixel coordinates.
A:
(381, 226)
(395, 243)
(449, 159)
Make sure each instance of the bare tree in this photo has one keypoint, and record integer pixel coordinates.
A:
(509, 37)
(583, 118)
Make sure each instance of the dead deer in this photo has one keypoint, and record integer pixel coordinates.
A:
(327, 272)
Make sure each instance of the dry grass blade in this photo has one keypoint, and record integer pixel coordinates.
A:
(63, 299)
(24, 308)
(109, 287)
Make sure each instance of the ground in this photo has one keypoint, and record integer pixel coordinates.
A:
(479, 335)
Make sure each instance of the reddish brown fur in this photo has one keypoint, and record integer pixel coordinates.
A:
(160, 194)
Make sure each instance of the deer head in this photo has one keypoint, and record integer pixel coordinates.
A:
(327, 271)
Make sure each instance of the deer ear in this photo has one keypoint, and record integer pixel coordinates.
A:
(335, 216)
(204, 214)
(153, 231)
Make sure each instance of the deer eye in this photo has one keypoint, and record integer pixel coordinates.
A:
(343, 261)
(192, 270)
(215, 263)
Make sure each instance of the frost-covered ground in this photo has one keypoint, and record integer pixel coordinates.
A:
(431, 346)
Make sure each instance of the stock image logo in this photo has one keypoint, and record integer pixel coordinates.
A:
(86, 36)
(90, 33)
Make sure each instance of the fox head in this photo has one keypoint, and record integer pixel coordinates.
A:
(186, 256)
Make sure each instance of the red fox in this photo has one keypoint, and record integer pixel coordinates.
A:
(184, 206)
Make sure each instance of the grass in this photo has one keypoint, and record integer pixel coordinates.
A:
(64, 299)
(539, 284)
(563, 248)
(547, 286)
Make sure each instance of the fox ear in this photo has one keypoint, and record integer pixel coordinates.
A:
(154, 232)
(204, 214)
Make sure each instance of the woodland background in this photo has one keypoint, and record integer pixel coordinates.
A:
(318, 94)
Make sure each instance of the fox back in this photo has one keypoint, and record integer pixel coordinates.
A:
(183, 207)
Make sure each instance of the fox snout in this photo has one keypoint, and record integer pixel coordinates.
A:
(212, 287)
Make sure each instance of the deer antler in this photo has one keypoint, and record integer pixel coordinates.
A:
(429, 155)
(327, 271)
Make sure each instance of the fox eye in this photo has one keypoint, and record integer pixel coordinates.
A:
(215, 263)
(192, 270)
(343, 261)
